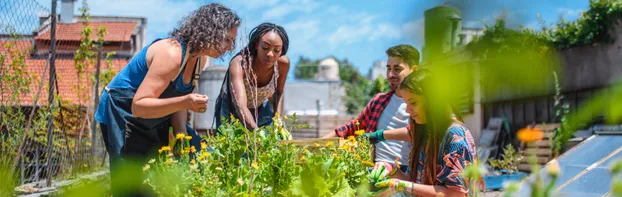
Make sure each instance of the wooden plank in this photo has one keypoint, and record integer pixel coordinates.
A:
(321, 142)
(538, 152)
(524, 167)
(539, 144)
(540, 160)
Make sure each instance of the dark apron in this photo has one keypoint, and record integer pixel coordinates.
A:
(137, 139)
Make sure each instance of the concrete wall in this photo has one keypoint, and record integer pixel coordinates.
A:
(593, 66)
(210, 84)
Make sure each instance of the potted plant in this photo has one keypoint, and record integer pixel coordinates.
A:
(504, 169)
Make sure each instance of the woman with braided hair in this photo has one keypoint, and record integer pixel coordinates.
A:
(252, 90)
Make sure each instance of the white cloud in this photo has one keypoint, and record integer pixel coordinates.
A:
(367, 30)
(289, 7)
(334, 9)
(570, 12)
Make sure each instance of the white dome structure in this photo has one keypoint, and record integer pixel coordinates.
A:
(328, 69)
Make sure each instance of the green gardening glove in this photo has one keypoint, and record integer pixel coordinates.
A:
(375, 137)
(392, 186)
(381, 171)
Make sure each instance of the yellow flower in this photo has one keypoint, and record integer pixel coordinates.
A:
(255, 165)
(357, 123)
(188, 137)
(367, 163)
(330, 143)
(316, 144)
(529, 134)
(159, 150)
(554, 168)
(351, 139)
(231, 116)
(146, 168)
(166, 148)
(359, 132)
(204, 155)
(193, 161)
(203, 145)
(179, 136)
(357, 156)
(194, 167)
(192, 149)
(286, 117)
(303, 158)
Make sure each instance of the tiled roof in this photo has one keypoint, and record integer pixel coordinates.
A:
(117, 31)
(65, 72)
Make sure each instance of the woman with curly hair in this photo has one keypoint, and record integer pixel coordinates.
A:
(156, 86)
(253, 86)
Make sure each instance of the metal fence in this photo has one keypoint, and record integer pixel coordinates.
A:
(45, 134)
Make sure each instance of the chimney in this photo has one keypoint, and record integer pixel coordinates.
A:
(66, 12)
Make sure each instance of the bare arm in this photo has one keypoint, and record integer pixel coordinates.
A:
(434, 190)
(237, 81)
(278, 94)
(400, 134)
(163, 67)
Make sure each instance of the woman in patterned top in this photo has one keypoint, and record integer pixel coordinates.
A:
(442, 145)
(253, 86)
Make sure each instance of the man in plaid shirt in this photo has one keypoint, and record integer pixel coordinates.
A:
(386, 110)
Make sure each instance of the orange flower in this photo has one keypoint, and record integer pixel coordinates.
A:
(529, 134)
(367, 163)
(203, 145)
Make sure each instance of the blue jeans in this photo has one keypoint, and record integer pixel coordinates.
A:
(265, 113)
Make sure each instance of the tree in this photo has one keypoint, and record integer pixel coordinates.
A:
(306, 68)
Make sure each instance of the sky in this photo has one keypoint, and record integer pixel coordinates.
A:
(359, 30)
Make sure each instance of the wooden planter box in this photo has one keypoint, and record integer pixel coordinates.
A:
(321, 143)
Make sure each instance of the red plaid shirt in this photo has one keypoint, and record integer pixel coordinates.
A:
(368, 118)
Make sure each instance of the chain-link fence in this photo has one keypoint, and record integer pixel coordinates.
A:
(43, 141)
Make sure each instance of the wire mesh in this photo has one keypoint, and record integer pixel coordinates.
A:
(28, 151)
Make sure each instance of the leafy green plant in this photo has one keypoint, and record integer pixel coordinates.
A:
(561, 134)
(593, 26)
(243, 162)
(509, 162)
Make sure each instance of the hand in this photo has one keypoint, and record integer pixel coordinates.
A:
(375, 137)
(196, 102)
(392, 186)
(381, 171)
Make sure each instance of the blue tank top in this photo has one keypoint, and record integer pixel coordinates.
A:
(133, 74)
